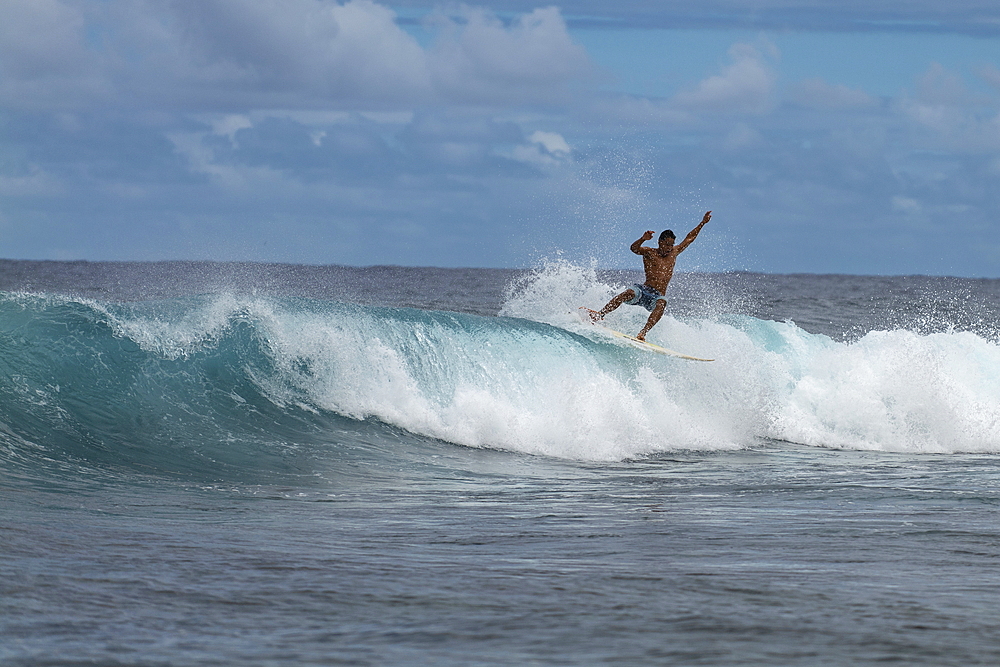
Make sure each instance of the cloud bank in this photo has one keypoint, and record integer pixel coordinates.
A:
(219, 54)
(304, 130)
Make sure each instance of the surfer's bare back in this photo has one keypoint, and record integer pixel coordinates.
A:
(659, 265)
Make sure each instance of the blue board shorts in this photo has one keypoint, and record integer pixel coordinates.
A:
(645, 296)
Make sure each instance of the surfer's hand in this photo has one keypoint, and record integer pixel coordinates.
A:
(708, 216)
(648, 235)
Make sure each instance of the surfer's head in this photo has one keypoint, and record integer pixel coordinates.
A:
(667, 238)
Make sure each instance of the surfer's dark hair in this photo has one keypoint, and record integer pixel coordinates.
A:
(667, 234)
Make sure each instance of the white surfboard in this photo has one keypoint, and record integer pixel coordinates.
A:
(633, 341)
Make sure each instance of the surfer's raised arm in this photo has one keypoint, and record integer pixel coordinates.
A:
(637, 246)
(693, 234)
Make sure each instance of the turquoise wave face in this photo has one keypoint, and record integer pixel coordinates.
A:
(75, 385)
(222, 387)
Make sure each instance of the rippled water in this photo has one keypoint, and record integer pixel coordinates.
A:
(263, 465)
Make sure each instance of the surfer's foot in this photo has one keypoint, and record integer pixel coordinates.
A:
(641, 336)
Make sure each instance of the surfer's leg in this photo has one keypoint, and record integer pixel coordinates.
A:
(654, 317)
(627, 295)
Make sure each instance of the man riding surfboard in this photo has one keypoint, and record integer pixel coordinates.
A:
(659, 266)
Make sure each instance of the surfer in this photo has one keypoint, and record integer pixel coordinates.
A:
(659, 266)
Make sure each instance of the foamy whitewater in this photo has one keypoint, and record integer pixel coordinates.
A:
(404, 427)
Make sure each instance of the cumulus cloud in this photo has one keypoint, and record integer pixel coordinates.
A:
(229, 125)
(552, 142)
(328, 116)
(942, 87)
(543, 150)
(41, 38)
(945, 115)
(485, 60)
(45, 60)
(305, 48)
(745, 86)
(233, 54)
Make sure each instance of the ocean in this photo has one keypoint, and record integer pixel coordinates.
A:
(261, 465)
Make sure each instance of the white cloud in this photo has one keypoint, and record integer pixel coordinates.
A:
(41, 39)
(484, 61)
(745, 86)
(531, 155)
(551, 141)
(320, 97)
(229, 125)
(45, 61)
(945, 115)
(545, 150)
(372, 55)
(299, 51)
(232, 55)
(939, 86)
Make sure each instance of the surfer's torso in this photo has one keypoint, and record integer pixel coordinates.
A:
(659, 267)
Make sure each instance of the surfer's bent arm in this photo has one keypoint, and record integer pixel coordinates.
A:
(637, 246)
(693, 234)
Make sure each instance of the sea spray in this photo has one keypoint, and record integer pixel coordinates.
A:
(889, 390)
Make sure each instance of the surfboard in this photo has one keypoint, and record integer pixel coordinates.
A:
(633, 341)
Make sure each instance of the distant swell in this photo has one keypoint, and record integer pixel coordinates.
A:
(218, 384)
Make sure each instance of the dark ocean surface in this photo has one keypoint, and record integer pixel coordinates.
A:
(251, 464)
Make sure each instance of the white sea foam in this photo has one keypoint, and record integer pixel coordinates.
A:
(895, 391)
(175, 329)
(890, 390)
(540, 381)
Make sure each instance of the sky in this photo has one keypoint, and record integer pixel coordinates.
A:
(827, 136)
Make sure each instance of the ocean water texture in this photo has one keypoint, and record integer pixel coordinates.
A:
(232, 380)
(261, 465)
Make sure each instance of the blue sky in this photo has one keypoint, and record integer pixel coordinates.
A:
(847, 136)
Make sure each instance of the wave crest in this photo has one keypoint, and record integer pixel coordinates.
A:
(221, 383)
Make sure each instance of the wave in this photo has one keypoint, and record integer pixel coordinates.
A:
(228, 383)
